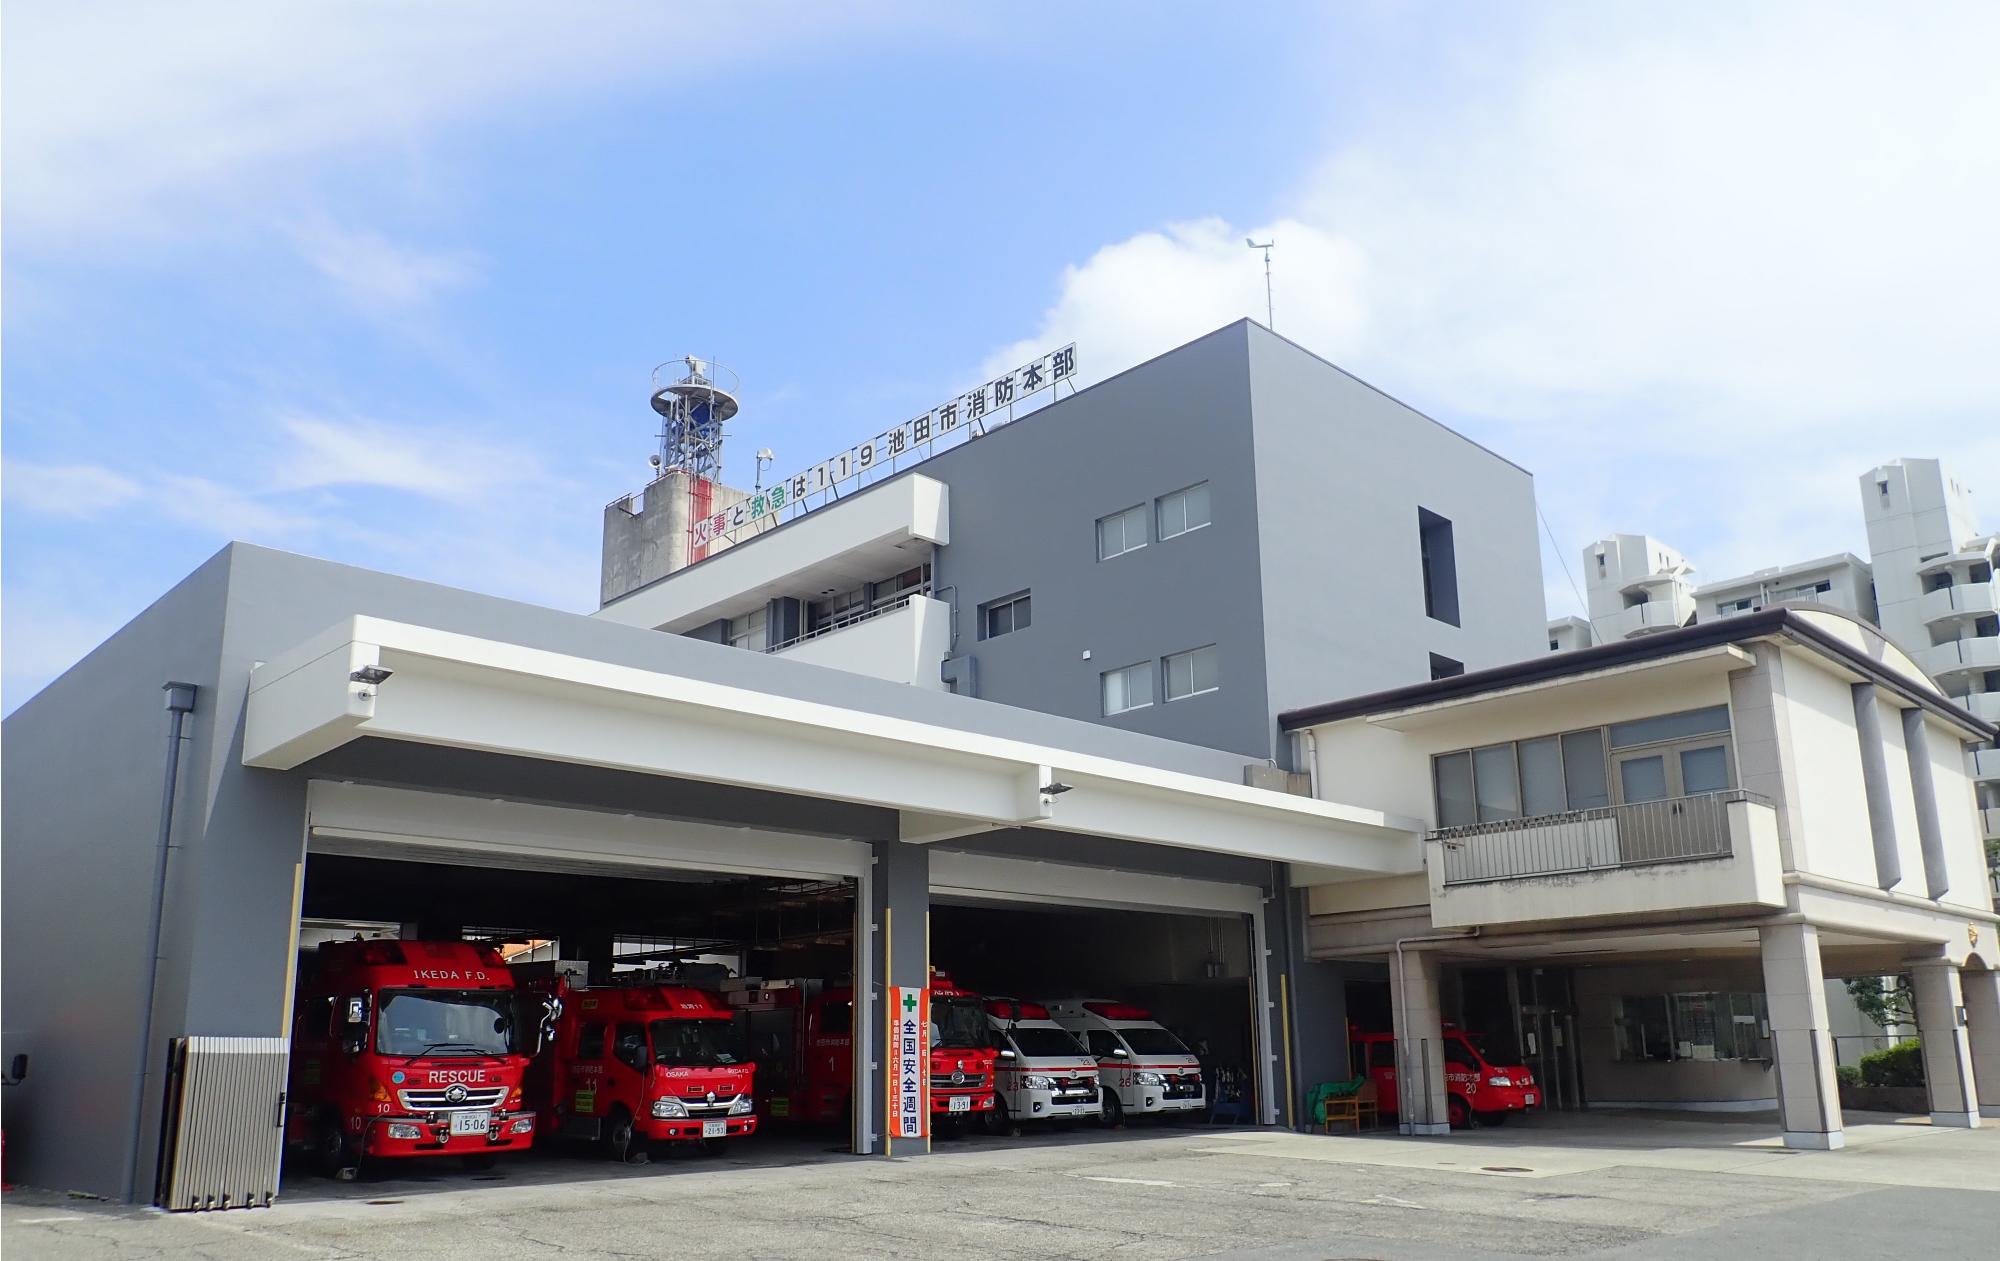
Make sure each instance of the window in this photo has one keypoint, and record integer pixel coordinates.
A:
(837, 609)
(1445, 668)
(1552, 648)
(1586, 784)
(1103, 1043)
(590, 1042)
(1662, 1028)
(631, 1047)
(1128, 688)
(1641, 1028)
(1003, 617)
(836, 1020)
(1650, 759)
(1121, 532)
(747, 631)
(898, 590)
(1542, 777)
(1190, 673)
(1182, 511)
(1440, 566)
(1453, 773)
(1691, 722)
(1459, 1057)
(1495, 786)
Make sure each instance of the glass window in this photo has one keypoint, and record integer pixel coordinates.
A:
(1043, 1042)
(631, 1047)
(1643, 778)
(1455, 808)
(1183, 510)
(1443, 667)
(1190, 673)
(1692, 722)
(1494, 785)
(1585, 783)
(684, 1042)
(1459, 1056)
(747, 631)
(1542, 777)
(836, 1020)
(1143, 1041)
(1121, 532)
(1704, 770)
(1003, 617)
(590, 1042)
(1103, 1043)
(1439, 561)
(1128, 688)
(1642, 1030)
(452, 1022)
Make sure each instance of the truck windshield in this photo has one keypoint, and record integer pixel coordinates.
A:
(959, 1023)
(446, 1022)
(1152, 1042)
(686, 1042)
(1037, 1042)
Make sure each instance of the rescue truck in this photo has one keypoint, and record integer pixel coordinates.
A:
(801, 1036)
(408, 1049)
(1142, 1068)
(1044, 1073)
(1477, 1091)
(639, 1063)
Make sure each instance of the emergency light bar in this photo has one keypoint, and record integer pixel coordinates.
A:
(1118, 1011)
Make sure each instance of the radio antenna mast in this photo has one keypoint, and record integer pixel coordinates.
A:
(1269, 321)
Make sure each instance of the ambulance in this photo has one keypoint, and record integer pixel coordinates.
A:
(1143, 1069)
(1042, 1071)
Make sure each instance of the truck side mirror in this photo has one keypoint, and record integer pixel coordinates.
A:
(17, 1069)
(1120, 1052)
(357, 1010)
(1006, 1054)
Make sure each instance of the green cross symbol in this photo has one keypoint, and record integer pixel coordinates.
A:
(909, 1002)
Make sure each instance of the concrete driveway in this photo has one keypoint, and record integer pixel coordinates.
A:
(1635, 1187)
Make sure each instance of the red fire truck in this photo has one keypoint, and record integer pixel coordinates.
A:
(1477, 1091)
(408, 1048)
(640, 1063)
(801, 1034)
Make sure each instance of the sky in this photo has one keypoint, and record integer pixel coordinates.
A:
(384, 283)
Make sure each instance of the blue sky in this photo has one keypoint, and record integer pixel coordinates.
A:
(383, 283)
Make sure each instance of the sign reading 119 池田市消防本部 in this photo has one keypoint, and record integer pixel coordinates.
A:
(976, 410)
(910, 1052)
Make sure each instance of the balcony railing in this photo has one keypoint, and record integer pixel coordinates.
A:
(1974, 652)
(1965, 600)
(1677, 829)
(882, 607)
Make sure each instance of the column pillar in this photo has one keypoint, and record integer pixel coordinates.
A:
(1947, 1049)
(900, 904)
(1801, 1044)
(1982, 1009)
(1875, 785)
(1421, 1105)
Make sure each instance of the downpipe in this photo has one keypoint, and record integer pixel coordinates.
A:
(180, 702)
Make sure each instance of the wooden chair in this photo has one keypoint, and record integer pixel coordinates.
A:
(1352, 1107)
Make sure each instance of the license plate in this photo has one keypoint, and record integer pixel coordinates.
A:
(470, 1122)
(1531, 1100)
(714, 1129)
(958, 1103)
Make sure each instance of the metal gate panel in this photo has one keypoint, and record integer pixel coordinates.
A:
(228, 1122)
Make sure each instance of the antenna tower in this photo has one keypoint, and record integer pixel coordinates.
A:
(694, 398)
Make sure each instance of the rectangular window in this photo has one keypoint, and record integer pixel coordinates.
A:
(1128, 688)
(1455, 806)
(747, 631)
(1004, 617)
(1190, 673)
(1586, 786)
(1121, 532)
(1445, 668)
(1643, 1032)
(1494, 784)
(1542, 777)
(1690, 722)
(1440, 566)
(1183, 510)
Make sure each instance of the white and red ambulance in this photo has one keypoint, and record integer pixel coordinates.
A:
(1143, 1068)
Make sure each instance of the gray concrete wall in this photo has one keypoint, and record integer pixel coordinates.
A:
(1341, 470)
(84, 767)
(1025, 501)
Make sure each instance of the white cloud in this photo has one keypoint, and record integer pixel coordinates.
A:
(124, 116)
(1697, 278)
(78, 491)
(377, 274)
(433, 462)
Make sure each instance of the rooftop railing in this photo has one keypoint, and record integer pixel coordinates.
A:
(1673, 830)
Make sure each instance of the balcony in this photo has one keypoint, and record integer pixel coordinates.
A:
(903, 642)
(1984, 706)
(1986, 764)
(1978, 653)
(1641, 619)
(1714, 849)
(1989, 820)
(1951, 603)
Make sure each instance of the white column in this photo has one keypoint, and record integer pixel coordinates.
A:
(1982, 1007)
(1947, 1049)
(1795, 989)
(1421, 1107)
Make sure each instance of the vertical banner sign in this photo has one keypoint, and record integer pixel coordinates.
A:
(912, 1025)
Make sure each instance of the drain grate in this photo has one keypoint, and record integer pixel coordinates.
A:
(385, 1201)
(1505, 1169)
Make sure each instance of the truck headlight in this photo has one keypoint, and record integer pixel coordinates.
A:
(400, 1129)
(740, 1106)
(665, 1109)
(1149, 1079)
(1037, 1081)
(1499, 1081)
(521, 1125)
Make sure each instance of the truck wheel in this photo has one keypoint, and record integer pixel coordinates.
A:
(621, 1142)
(1001, 1120)
(1112, 1110)
(1459, 1113)
(333, 1152)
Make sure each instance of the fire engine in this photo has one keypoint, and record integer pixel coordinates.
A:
(408, 1048)
(801, 1034)
(637, 1063)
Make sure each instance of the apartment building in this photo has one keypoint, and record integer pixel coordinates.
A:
(1185, 549)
